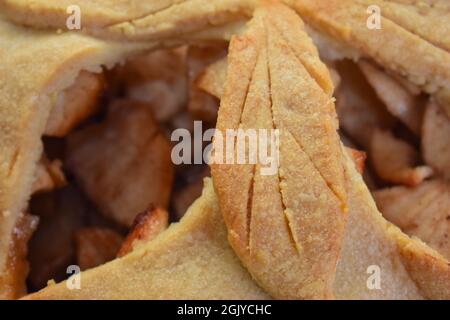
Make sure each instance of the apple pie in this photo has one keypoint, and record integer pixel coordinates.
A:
(208, 149)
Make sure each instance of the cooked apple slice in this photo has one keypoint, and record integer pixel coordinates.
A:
(184, 196)
(295, 214)
(201, 105)
(13, 275)
(358, 157)
(48, 175)
(146, 227)
(436, 139)
(96, 246)
(212, 78)
(75, 104)
(443, 99)
(395, 161)
(398, 100)
(360, 110)
(123, 164)
(158, 79)
(146, 20)
(423, 211)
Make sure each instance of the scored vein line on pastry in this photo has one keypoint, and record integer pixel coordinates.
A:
(273, 28)
(250, 188)
(252, 181)
(132, 21)
(322, 81)
(250, 207)
(136, 20)
(294, 241)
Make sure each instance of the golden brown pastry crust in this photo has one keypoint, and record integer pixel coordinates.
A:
(135, 20)
(146, 227)
(409, 268)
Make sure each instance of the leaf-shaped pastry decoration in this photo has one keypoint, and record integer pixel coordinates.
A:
(286, 227)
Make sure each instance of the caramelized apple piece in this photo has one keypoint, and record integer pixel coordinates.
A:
(360, 110)
(75, 104)
(395, 161)
(52, 247)
(17, 267)
(123, 164)
(398, 100)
